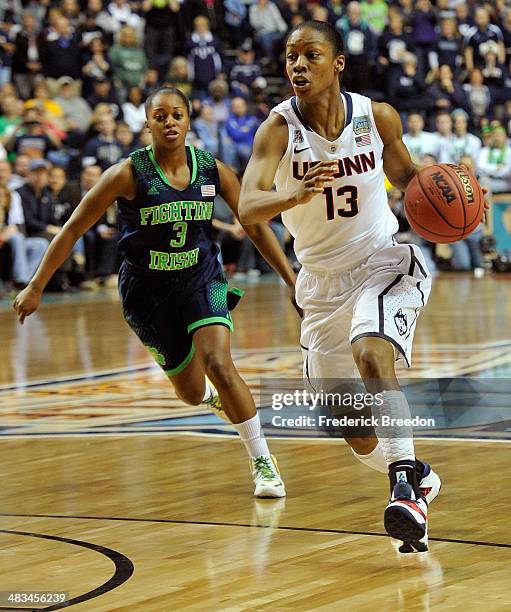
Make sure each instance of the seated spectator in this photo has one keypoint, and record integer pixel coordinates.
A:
(26, 59)
(133, 110)
(21, 171)
(240, 129)
(11, 109)
(50, 109)
(207, 129)
(407, 87)
(203, 50)
(129, 62)
(126, 139)
(375, 13)
(60, 53)
(335, 11)
(446, 93)
(463, 18)
(236, 21)
(103, 150)
(417, 141)
(26, 253)
(35, 200)
(448, 48)
(424, 34)
(90, 29)
(444, 137)
(6, 51)
(179, 76)
(77, 113)
(476, 37)
(463, 143)
(268, 26)
(162, 22)
(219, 100)
(63, 201)
(152, 80)
(478, 96)
(393, 45)
(122, 14)
(494, 164)
(466, 253)
(360, 48)
(33, 137)
(71, 10)
(244, 71)
(96, 65)
(104, 94)
(494, 72)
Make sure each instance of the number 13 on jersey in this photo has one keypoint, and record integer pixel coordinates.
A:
(348, 207)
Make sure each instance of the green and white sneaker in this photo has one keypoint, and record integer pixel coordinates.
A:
(215, 405)
(267, 480)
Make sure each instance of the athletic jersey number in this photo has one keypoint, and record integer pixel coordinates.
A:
(351, 193)
(180, 227)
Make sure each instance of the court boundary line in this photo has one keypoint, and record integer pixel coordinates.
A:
(248, 525)
(124, 569)
(233, 436)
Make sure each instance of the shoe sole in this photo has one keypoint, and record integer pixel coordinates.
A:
(401, 526)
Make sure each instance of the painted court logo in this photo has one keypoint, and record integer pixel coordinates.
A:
(401, 322)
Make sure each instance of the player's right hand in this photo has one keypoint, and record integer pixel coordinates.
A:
(315, 180)
(26, 302)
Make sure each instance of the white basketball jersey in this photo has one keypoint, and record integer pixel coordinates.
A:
(351, 219)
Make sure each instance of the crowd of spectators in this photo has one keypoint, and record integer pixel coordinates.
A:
(74, 75)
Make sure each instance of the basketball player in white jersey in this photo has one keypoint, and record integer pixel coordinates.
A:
(360, 292)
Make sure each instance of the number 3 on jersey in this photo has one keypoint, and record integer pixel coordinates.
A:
(180, 228)
(351, 201)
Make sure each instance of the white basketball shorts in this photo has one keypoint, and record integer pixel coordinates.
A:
(382, 297)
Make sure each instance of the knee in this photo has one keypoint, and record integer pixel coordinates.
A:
(191, 396)
(219, 369)
(371, 362)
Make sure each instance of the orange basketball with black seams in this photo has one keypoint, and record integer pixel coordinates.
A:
(444, 203)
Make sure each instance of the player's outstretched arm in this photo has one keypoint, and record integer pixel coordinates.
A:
(397, 163)
(117, 181)
(257, 201)
(260, 234)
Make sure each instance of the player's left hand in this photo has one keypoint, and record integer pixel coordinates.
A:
(292, 297)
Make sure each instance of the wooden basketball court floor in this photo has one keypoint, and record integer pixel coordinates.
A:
(114, 492)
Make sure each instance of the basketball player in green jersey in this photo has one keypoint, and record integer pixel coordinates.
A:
(173, 292)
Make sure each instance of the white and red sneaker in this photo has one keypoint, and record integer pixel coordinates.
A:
(429, 483)
(406, 518)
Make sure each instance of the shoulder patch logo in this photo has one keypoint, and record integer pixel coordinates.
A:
(298, 137)
(401, 321)
(361, 125)
(208, 191)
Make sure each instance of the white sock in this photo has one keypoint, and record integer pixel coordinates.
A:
(375, 459)
(396, 442)
(209, 392)
(252, 437)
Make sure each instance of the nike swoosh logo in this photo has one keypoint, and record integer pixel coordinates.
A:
(300, 150)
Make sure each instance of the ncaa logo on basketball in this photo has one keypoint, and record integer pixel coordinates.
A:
(442, 184)
(361, 125)
(401, 322)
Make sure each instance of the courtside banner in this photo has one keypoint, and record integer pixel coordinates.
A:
(438, 407)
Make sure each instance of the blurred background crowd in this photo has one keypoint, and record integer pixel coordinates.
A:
(74, 75)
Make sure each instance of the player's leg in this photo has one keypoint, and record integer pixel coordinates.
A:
(383, 325)
(213, 350)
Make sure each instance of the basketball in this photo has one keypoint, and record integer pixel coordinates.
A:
(444, 203)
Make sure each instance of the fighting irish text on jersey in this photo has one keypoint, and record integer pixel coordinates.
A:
(166, 229)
